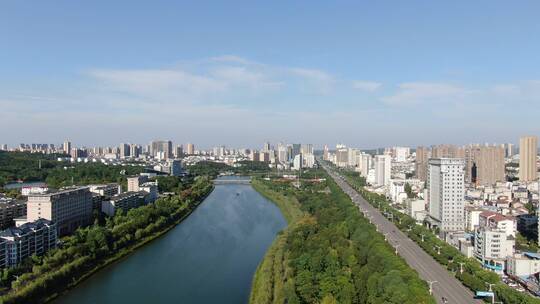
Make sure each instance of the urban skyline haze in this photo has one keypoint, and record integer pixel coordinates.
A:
(239, 73)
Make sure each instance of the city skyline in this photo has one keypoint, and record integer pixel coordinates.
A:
(380, 74)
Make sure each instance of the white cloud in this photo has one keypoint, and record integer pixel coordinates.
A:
(158, 82)
(367, 86)
(427, 92)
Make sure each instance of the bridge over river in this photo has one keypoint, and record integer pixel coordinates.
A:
(235, 181)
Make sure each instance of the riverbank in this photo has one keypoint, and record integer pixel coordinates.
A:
(65, 268)
(126, 252)
(267, 286)
(331, 254)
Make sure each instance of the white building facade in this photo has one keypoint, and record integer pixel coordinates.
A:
(446, 193)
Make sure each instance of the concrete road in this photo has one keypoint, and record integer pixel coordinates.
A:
(445, 284)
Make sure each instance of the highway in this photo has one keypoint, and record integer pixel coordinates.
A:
(445, 284)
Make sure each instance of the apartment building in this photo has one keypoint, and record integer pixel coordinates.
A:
(9, 210)
(18, 243)
(106, 190)
(125, 201)
(68, 208)
(421, 163)
(383, 169)
(484, 165)
(446, 193)
(498, 221)
(134, 182)
(492, 247)
(528, 152)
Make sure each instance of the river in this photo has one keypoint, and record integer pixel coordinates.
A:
(208, 258)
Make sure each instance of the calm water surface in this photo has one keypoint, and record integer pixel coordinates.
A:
(208, 258)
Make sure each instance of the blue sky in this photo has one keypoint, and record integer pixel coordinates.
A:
(368, 74)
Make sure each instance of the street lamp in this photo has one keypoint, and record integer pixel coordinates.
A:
(431, 286)
(385, 236)
(492, 293)
(397, 246)
(438, 249)
(461, 267)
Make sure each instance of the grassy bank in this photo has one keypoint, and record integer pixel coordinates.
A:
(287, 203)
(329, 253)
(267, 285)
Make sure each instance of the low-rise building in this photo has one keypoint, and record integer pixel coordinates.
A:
(492, 247)
(125, 201)
(106, 190)
(18, 243)
(152, 189)
(415, 207)
(9, 210)
(134, 182)
(521, 265)
(69, 208)
(472, 218)
(498, 221)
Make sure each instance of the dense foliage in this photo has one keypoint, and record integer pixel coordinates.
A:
(247, 166)
(208, 168)
(211, 168)
(473, 276)
(90, 248)
(172, 183)
(331, 254)
(25, 166)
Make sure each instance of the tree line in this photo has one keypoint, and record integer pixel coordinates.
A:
(331, 254)
(474, 276)
(89, 248)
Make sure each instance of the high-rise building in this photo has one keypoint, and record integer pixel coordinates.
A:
(161, 148)
(325, 152)
(383, 169)
(352, 157)
(307, 149)
(446, 193)
(134, 151)
(69, 208)
(447, 151)
(67, 147)
(508, 150)
(528, 151)
(254, 156)
(179, 151)
(266, 147)
(296, 149)
(342, 156)
(366, 164)
(421, 163)
(264, 156)
(297, 162)
(190, 149)
(282, 153)
(401, 154)
(124, 150)
(77, 153)
(484, 165)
